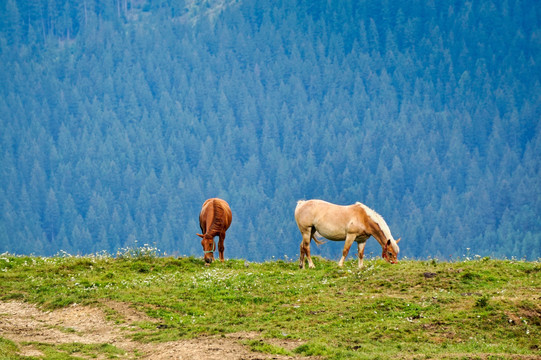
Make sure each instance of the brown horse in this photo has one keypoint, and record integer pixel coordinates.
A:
(214, 219)
(355, 222)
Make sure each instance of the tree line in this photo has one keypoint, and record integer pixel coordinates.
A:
(120, 118)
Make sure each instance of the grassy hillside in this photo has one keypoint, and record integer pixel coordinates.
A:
(481, 308)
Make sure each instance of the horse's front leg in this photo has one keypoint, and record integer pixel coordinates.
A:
(349, 241)
(221, 246)
(360, 247)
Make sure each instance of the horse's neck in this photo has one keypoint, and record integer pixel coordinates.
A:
(374, 220)
(378, 234)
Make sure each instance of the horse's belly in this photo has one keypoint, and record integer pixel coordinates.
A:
(339, 230)
(330, 233)
(335, 238)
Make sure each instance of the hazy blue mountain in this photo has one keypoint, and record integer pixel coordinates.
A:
(118, 119)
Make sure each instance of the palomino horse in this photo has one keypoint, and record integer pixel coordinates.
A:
(214, 219)
(355, 222)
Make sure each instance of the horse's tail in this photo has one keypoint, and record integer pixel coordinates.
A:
(316, 240)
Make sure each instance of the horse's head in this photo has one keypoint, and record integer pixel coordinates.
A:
(209, 246)
(390, 252)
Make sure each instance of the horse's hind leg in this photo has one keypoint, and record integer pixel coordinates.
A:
(301, 258)
(305, 249)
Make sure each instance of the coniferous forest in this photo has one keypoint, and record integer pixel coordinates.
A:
(119, 118)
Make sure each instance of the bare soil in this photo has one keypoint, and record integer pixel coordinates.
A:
(27, 325)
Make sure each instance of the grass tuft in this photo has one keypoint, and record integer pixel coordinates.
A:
(263, 347)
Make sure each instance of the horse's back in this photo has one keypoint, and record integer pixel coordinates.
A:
(227, 214)
(309, 212)
(330, 220)
(215, 211)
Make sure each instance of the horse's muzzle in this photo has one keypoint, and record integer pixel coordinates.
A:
(208, 260)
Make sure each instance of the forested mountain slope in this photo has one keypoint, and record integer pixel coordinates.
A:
(120, 118)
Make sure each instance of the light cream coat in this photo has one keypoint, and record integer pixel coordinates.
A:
(349, 223)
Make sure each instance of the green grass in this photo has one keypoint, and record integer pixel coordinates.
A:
(415, 309)
(263, 347)
(75, 351)
(8, 350)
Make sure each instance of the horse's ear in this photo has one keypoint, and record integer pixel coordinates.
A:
(398, 240)
(201, 236)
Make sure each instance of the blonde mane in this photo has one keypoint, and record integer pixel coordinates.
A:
(378, 219)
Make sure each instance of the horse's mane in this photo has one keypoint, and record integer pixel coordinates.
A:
(378, 219)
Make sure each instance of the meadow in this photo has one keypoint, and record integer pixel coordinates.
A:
(468, 308)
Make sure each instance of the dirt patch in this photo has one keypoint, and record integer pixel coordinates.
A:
(126, 312)
(24, 323)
